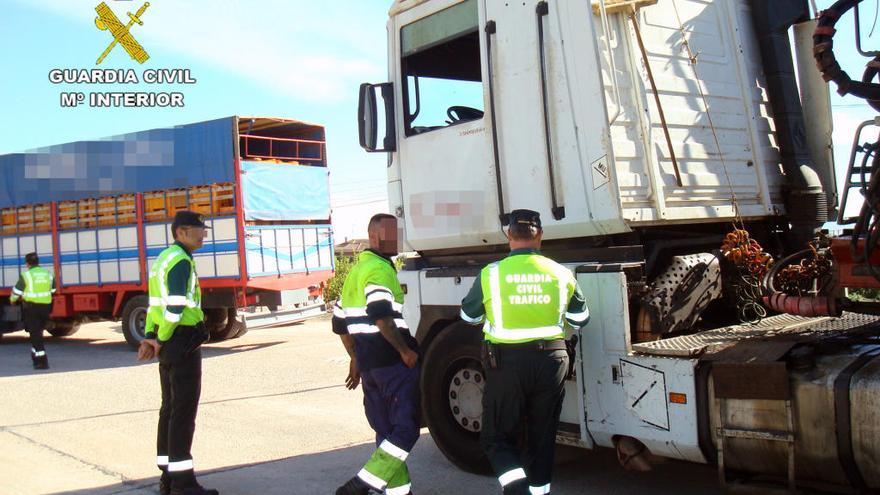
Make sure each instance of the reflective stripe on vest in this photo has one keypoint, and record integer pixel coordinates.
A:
(158, 286)
(355, 328)
(163, 264)
(527, 299)
(373, 279)
(37, 285)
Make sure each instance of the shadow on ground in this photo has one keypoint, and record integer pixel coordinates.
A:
(577, 472)
(82, 353)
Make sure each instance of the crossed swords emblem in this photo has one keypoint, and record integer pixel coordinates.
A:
(107, 20)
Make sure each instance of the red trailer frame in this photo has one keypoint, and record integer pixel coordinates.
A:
(108, 299)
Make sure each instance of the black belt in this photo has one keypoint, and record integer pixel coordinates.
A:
(536, 345)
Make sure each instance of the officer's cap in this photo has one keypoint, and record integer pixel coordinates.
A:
(525, 217)
(189, 219)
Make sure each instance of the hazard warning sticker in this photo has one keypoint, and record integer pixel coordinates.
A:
(601, 174)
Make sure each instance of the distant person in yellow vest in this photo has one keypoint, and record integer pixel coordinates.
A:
(35, 287)
(175, 331)
(524, 302)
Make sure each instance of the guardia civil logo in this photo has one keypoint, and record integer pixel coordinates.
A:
(107, 21)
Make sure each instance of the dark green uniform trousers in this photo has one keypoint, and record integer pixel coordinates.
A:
(526, 389)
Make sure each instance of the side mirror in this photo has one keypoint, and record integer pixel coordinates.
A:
(370, 114)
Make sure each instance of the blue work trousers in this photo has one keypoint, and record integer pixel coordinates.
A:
(391, 403)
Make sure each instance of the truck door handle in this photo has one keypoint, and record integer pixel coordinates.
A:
(490, 29)
(541, 11)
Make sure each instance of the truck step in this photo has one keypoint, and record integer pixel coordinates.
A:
(717, 339)
(270, 318)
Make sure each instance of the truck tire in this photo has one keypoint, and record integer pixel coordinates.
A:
(134, 318)
(240, 328)
(232, 329)
(452, 393)
(64, 327)
(215, 320)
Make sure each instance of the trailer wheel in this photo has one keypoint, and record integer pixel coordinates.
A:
(64, 327)
(452, 393)
(233, 327)
(134, 319)
(236, 326)
(215, 320)
(239, 327)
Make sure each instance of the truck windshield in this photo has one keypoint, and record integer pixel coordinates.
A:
(440, 61)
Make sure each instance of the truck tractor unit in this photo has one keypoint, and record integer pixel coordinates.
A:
(674, 149)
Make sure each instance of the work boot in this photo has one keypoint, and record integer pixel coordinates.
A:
(195, 489)
(164, 484)
(41, 363)
(518, 487)
(354, 486)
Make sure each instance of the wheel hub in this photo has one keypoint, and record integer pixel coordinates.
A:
(138, 320)
(466, 398)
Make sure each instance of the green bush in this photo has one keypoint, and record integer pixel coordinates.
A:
(864, 294)
(333, 287)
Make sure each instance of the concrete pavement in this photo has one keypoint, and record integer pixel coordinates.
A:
(274, 419)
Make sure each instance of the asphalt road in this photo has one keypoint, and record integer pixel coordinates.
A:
(274, 419)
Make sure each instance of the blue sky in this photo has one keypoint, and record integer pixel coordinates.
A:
(288, 58)
(848, 111)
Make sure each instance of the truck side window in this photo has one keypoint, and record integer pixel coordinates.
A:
(441, 68)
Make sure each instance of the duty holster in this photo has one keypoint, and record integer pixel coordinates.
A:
(489, 355)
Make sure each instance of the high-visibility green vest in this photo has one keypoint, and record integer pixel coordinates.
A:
(372, 277)
(38, 283)
(158, 313)
(525, 297)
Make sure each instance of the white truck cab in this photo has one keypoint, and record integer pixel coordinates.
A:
(640, 130)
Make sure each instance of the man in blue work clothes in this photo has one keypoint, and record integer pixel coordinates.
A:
(35, 287)
(175, 331)
(525, 300)
(368, 317)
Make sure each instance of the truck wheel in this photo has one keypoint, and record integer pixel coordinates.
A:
(240, 328)
(215, 320)
(231, 329)
(237, 326)
(134, 319)
(452, 396)
(64, 327)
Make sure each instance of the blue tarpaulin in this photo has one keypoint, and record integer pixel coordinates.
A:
(174, 157)
(284, 192)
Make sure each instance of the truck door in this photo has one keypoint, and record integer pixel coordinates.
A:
(552, 124)
(444, 152)
(500, 106)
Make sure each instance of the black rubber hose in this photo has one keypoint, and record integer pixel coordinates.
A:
(767, 283)
(806, 203)
(823, 51)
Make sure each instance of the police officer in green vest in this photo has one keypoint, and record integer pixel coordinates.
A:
(35, 287)
(524, 303)
(175, 331)
(384, 359)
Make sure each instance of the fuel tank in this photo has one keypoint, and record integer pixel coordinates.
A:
(834, 403)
